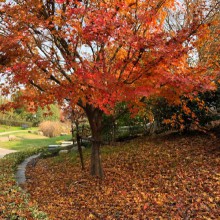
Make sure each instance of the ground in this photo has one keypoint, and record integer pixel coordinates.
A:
(171, 177)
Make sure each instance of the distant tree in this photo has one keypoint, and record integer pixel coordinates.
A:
(50, 113)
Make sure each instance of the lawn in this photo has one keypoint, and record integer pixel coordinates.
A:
(27, 140)
(172, 177)
(6, 128)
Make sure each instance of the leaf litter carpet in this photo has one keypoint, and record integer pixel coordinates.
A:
(172, 177)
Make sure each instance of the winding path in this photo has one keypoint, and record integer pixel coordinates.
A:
(12, 132)
(20, 174)
(3, 152)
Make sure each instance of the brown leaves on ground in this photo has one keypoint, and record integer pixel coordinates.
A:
(166, 178)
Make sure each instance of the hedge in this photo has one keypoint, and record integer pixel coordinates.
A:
(15, 123)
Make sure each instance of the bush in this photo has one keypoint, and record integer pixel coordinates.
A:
(53, 128)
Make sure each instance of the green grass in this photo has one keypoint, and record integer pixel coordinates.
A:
(19, 134)
(23, 134)
(6, 128)
(26, 143)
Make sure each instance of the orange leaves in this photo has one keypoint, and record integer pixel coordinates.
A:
(91, 216)
(60, 1)
(143, 179)
(108, 191)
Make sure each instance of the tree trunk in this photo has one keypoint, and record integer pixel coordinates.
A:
(113, 132)
(95, 120)
(78, 140)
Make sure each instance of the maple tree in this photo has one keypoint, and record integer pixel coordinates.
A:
(95, 54)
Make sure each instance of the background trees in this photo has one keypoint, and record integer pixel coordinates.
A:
(95, 54)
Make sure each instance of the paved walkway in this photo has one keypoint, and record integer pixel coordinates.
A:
(3, 152)
(20, 174)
